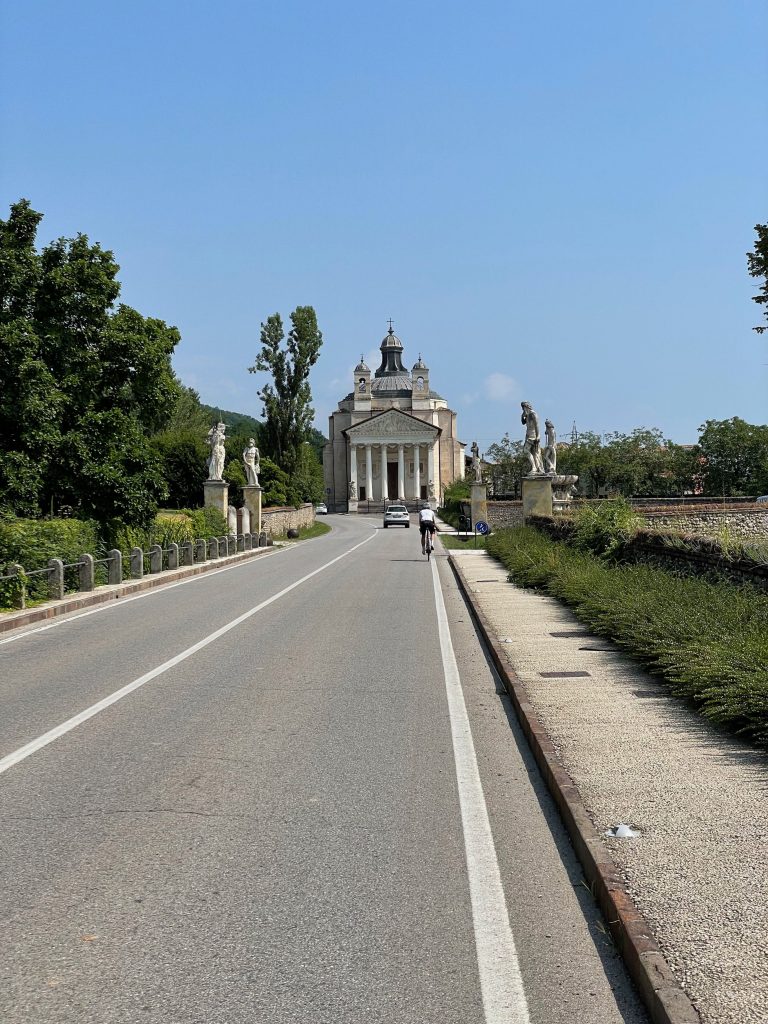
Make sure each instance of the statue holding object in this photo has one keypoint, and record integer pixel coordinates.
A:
(252, 463)
(549, 452)
(532, 445)
(216, 438)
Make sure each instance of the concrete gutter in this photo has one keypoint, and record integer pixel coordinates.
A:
(73, 603)
(665, 1000)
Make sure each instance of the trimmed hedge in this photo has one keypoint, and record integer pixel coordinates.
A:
(708, 640)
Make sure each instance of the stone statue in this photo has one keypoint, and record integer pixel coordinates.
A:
(252, 463)
(352, 488)
(216, 441)
(476, 467)
(431, 491)
(549, 452)
(532, 446)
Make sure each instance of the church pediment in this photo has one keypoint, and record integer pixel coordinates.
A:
(392, 424)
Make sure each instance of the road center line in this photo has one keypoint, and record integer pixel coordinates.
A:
(501, 983)
(60, 730)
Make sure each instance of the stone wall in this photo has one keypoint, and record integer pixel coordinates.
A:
(738, 522)
(502, 514)
(277, 521)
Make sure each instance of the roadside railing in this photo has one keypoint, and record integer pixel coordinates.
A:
(19, 585)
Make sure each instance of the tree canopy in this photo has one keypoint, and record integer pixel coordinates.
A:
(757, 262)
(83, 382)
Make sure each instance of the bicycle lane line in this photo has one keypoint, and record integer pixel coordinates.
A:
(501, 982)
(58, 731)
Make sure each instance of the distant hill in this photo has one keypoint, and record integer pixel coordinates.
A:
(236, 422)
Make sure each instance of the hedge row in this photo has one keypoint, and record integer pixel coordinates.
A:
(708, 640)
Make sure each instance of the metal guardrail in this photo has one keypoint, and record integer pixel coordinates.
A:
(157, 558)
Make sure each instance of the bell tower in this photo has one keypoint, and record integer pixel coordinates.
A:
(362, 387)
(420, 382)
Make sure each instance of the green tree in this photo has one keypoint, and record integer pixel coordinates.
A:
(82, 384)
(509, 466)
(287, 398)
(734, 456)
(757, 262)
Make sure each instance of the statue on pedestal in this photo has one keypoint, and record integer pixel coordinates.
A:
(477, 469)
(216, 438)
(549, 452)
(252, 463)
(532, 445)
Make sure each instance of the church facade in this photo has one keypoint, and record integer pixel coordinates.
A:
(392, 438)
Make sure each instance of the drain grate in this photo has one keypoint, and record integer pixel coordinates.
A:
(595, 648)
(646, 693)
(491, 581)
(568, 633)
(564, 675)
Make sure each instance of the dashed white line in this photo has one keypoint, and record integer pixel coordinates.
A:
(60, 730)
(501, 983)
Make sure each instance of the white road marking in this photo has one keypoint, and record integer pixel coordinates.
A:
(60, 730)
(501, 983)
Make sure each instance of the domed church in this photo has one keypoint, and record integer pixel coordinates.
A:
(391, 439)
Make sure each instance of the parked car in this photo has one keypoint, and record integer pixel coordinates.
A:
(321, 509)
(763, 499)
(396, 515)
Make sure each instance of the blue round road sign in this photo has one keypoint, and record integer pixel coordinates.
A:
(482, 527)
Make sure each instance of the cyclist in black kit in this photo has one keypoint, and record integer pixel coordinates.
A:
(427, 522)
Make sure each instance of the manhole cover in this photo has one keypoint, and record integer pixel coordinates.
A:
(595, 648)
(646, 693)
(568, 633)
(564, 675)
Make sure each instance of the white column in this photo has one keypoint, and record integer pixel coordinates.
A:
(353, 471)
(384, 489)
(368, 473)
(400, 472)
(431, 469)
(416, 472)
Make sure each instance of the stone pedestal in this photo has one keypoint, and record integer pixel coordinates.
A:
(231, 519)
(537, 496)
(252, 499)
(216, 495)
(479, 503)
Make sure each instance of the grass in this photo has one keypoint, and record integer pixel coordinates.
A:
(308, 532)
(450, 540)
(707, 639)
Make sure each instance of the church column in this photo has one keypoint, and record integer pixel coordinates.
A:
(416, 471)
(400, 472)
(368, 473)
(431, 469)
(384, 490)
(353, 472)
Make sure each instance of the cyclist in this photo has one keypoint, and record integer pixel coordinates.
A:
(427, 522)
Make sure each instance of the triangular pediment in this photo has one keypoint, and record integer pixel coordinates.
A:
(392, 424)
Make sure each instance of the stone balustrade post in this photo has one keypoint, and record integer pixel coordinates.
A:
(240, 542)
(200, 552)
(20, 592)
(115, 569)
(262, 539)
(137, 563)
(188, 552)
(155, 558)
(56, 579)
(87, 574)
(223, 550)
(213, 547)
(173, 556)
(247, 541)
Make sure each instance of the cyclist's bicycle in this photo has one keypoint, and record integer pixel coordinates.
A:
(428, 544)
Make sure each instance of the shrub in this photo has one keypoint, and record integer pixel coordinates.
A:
(32, 542)
(707, 639)
(605, 527)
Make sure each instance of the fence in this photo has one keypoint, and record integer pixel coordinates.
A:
(18, 585)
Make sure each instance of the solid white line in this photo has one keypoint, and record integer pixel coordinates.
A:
(60, 730)
(501, 983)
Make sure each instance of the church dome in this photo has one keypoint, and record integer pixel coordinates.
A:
(420, 364)
(391, 359)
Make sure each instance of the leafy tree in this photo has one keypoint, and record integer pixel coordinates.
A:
(288, 396)
(510, 464)
(82, 384)
(757, 263)
(306, 482)
(735, 457)
(275, 483)
(183, 456)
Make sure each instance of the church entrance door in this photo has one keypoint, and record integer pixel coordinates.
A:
(392, 480)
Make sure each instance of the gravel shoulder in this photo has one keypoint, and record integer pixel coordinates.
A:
(698, 868)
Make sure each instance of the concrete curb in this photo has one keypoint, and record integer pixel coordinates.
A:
(665, 1000)
(14, 620)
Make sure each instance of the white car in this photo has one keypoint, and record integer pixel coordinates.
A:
(396, 515)
(321, 509)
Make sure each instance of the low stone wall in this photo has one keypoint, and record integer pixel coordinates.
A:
(278, 521)
(738, 522)
(502, 514)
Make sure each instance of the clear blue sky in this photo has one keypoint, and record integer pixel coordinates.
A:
(552, 200)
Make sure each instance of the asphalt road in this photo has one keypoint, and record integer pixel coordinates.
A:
(270, 825)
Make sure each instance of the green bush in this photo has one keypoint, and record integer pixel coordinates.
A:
(604, 527)
(708, 640)
(207, 522)
(32, 542)
(453, 496)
